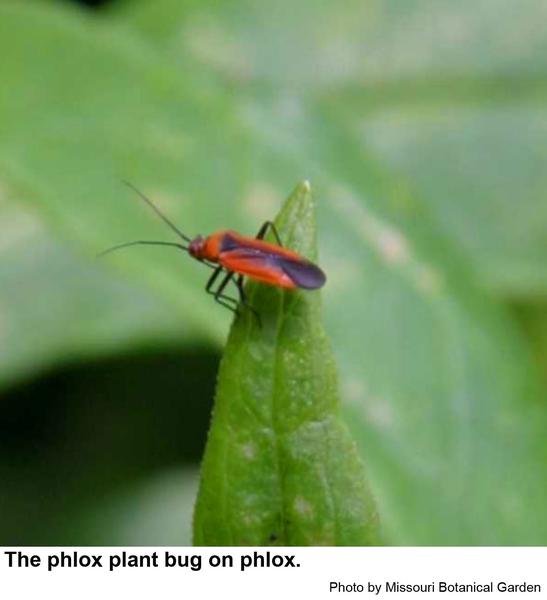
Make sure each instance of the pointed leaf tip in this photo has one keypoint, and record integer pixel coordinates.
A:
(280, 467)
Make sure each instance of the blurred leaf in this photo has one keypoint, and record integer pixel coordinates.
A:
(534, 319)
(450, 95)
(85, 443)
(280, 466)
(437, 380)
(55, 305)
(58, 301)
(158, 512)
(366, 42)
(479, 167)
(438, 384)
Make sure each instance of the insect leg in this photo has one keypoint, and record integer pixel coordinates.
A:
(223, 299)
(212, 279)
(245, 301)
(219, 296)
(264, 229)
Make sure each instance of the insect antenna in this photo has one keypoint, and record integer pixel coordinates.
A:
(142, 242)
(158, 212)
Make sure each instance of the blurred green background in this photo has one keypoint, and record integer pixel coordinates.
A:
(421, 125)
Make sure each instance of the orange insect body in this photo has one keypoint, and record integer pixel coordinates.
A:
(258, 260)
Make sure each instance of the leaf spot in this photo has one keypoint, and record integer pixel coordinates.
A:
(248, 451)
(261, 201)
(22, 225)
(213, 45)
(392, 246)
(354, 391)
(303, 507)
(387, 242)
(380, 413)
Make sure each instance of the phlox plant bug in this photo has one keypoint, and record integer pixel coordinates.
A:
(233, 257)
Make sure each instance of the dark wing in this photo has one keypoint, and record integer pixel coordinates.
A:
(303, 273)
(269, 263)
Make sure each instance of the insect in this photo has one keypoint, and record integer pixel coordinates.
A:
(234, 256)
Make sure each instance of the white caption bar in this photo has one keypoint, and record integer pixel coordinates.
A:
(268, 573)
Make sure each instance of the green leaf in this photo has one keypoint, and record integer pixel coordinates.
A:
(534, 319)
(435, 376)
(437, 380)
(153, 512)
(57, 306)
(58, 303)
(434, 91)
(280, 466)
